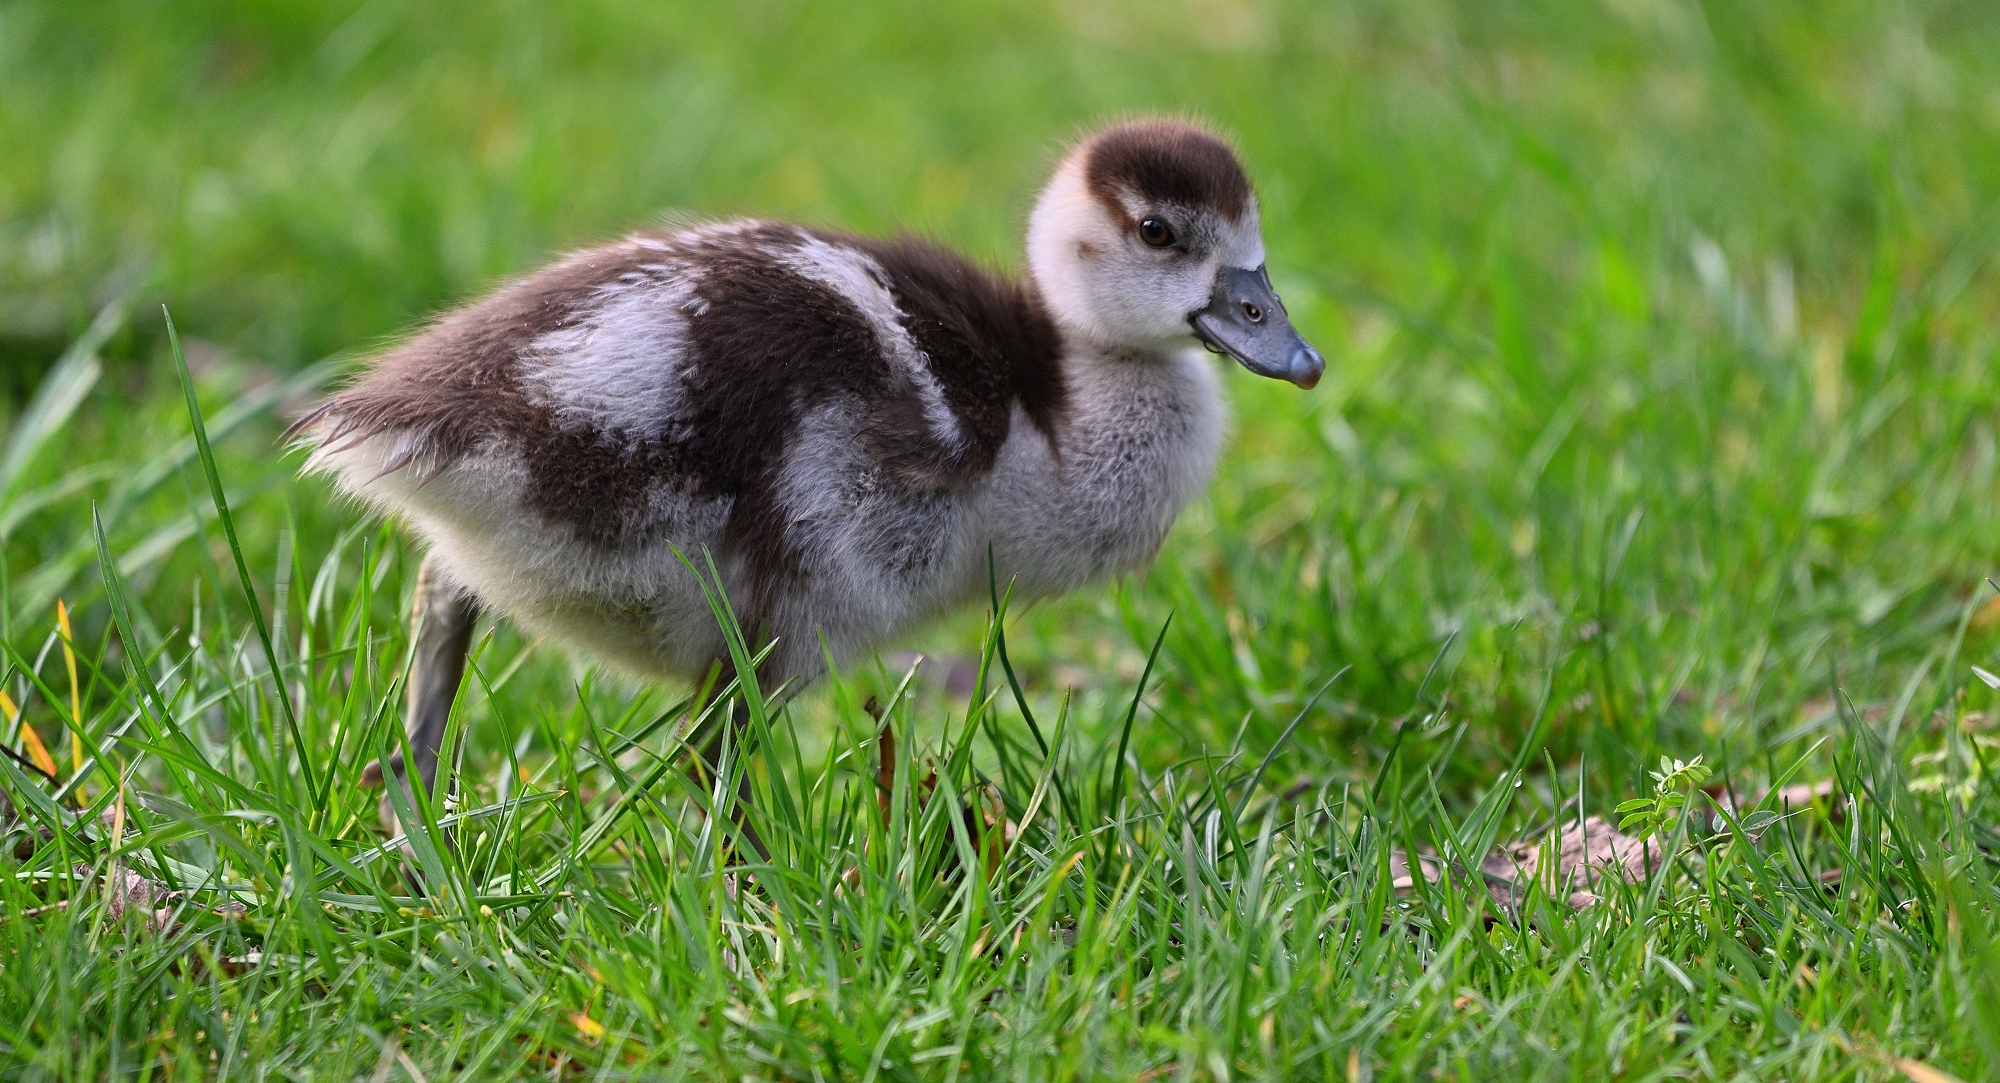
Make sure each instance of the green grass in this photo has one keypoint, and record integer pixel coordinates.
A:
(1659, 420)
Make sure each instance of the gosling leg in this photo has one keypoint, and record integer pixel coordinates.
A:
(441, 617)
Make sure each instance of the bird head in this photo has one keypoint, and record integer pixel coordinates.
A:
(1148, 237)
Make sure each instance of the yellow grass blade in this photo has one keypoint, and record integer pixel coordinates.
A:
(586, 1026)
(75, 693)
(118, 819)
(36, 751)
(1919, 1072)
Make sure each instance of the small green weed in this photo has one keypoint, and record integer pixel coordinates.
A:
(1658, 814)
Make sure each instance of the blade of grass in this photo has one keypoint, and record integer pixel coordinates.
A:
(1132, 713)
(207, 454)
(1250, 787)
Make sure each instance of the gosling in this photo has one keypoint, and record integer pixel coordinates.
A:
(857, 431)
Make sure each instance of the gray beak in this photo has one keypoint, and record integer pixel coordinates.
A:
(1245, 320)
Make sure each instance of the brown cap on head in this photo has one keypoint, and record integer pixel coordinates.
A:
(1168, 161)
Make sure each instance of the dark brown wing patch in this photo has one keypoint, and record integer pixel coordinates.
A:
(988, 340)
(768, 345)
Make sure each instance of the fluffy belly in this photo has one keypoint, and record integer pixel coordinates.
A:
(637, 607)
(866, 570)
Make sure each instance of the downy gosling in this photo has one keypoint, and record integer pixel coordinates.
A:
(848, 425)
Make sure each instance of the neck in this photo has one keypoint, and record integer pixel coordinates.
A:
(1137, 440)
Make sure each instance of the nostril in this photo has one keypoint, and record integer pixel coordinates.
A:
(1251, 310)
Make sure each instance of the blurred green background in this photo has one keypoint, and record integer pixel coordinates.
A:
(1660, 332)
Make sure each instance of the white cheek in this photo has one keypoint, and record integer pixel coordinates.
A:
(1242, 242)
(1068, 226)
(1148, 299)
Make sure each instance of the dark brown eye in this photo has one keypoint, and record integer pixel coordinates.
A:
(1156, 233)
(1251, 310)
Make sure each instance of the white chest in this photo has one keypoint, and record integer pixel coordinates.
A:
(1138, 442)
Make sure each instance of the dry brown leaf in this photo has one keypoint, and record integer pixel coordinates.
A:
(1403, 880)
(1568, 866)
(125, 891)
(1582, 856)
(1793, 798)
